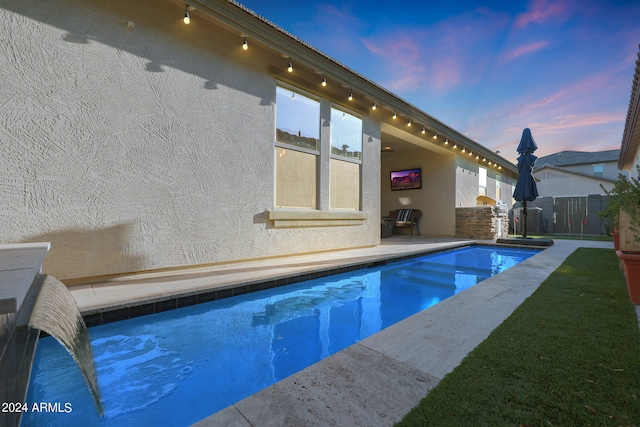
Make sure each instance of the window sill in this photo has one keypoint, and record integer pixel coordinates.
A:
(294, 218)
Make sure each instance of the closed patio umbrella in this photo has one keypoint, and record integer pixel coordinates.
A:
(526, 189)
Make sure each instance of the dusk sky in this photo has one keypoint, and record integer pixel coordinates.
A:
(488, 69)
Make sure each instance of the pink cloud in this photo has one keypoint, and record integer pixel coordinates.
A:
(574, 117)
(541, 11)
(439, 57)
(521, 50)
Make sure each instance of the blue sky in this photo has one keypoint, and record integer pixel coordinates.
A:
(488, 69)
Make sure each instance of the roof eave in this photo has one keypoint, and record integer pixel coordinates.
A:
(631, 135)
(235, 15)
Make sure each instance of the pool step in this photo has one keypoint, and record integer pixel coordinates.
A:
(431, 268)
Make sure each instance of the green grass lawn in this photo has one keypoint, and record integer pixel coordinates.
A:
(568, 356)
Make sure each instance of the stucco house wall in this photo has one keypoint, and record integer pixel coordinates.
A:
(134, 142)
(610, 169)
(559, 183)
(468, 183)
(145, 145)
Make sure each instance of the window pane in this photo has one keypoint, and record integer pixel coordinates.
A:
(482, 177)
(297, 119)
(346, 135)
(598, 170)
(295, 179)
(344, 185)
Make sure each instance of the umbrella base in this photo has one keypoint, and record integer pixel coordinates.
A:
(524, 241)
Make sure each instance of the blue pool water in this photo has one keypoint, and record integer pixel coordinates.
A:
(177, 367)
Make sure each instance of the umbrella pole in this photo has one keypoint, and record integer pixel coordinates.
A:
(524, 226)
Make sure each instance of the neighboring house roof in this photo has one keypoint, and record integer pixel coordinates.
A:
(569, 158)
(631, 135)
(251, 25)
(570, 172)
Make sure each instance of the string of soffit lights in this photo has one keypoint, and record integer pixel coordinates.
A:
(374, 106)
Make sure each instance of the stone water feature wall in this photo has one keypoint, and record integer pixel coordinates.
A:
(482, 222)
(20, 282)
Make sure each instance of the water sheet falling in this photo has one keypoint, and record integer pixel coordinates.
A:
(57, 313)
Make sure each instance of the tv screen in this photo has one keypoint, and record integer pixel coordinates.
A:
(408, 179)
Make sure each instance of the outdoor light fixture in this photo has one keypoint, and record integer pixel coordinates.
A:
(446, 141)
(499, 167)
(394, 115)
(435, 135)
(484, 159)
(464, 150)
(409, 123)
(477, 156)
(424, 130)
(245, 45)
(350, 95)
(470, 153)
(373, 107)
(324, 81)
(290, 67)
(455, 145)
(186, 19)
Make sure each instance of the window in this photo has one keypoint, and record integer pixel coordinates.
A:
(297, 119)
(346, 159)
(295, 179)
(346, 135)
(482, 181)
(297, 144)
(498, 187)
(598, 170)
(303, 150)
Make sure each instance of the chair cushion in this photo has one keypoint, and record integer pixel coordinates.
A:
(404, 215)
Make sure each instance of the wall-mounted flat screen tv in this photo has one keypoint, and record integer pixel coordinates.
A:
(407, 179)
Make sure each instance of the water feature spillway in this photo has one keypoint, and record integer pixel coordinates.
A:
(56, 313)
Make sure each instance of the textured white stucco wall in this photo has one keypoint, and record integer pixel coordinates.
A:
(560, 184)
(141, 148)
(467, 183)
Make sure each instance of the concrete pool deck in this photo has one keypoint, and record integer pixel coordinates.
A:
(378, 380)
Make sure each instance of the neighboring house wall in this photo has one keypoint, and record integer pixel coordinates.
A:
(147, 147)
(558, 183)
(609, 169)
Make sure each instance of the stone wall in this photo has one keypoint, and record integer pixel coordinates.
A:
(20, 282)
(483, 222)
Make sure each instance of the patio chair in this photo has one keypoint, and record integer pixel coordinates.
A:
(406, 218)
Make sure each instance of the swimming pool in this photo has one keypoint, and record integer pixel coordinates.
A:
(177, 367)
